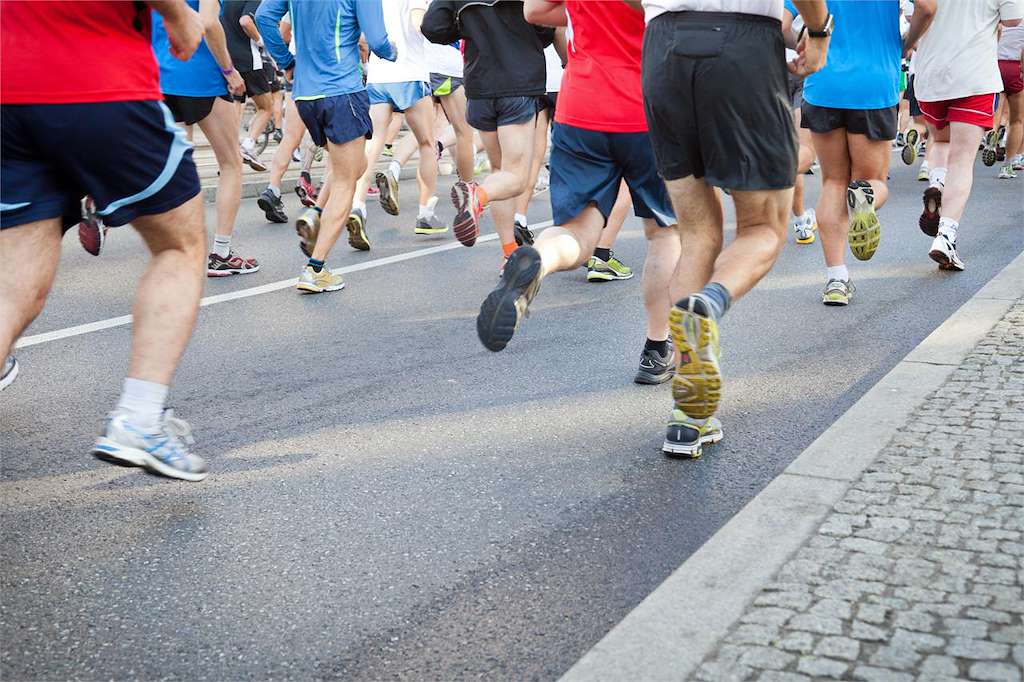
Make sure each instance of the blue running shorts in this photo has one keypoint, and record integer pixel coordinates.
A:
(129, 157)
(400, 96)
(588, 166)
(340, 118)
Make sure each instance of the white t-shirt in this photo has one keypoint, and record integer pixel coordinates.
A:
(444, 59)
(554, 65)
(411, 45)
(769, 8)
(1012, 42)
(957, 55)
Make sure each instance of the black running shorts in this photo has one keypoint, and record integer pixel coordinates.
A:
(256, 82)
(876, 124)
(191, 110)
(716, 94)
(910, 96)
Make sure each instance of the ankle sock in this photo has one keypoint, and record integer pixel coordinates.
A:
(937, 177)
(395, 169)
(839, 272)
(603, 254)
(317, 265)
(521, 219)
(719, 298)
(509, 248)
(426, 211)
(222, 245)
(145, 400)
(948, 228)
(660, 346)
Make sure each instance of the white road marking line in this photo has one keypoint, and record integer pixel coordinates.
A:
(123, 320)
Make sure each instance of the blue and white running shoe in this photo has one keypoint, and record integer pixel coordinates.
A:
(163, 451)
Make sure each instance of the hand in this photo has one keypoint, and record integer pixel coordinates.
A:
(236, 86)
(290, 74)
(810, 57)
(185, 33)
(364, 50)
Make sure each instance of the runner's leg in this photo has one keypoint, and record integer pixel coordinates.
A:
(347, 163)
(30, 254)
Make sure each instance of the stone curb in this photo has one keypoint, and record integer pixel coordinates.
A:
(677, 626)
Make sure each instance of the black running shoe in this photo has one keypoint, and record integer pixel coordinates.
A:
(655, 368)
(272, 207)
(522, 234)
(929, 220)
(505, 307)
(685, 438)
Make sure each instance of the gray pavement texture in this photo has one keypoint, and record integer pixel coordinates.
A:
(918, 572)
(388, 499)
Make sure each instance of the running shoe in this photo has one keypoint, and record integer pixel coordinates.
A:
(923, 172)
(804, 227)
(988, 152)
(865, 231)
(467, 212)
(388, 151)
(523, 234)
(909, 152)
(929, 220)
(232, 265)
(697, 385)
(685, 437)
(315, 282)
(272, 207)
(899, 141)
(308, 229)
(388, 186)
(92, 233)
(356, 226)
(838, 292)
(1005, 173)
(250, 158)
(372, 191)
(431, 225)
(278, 135)
(944, 253)
(655, 368)
(8, 372)
(543, 180)
(306, 190)
(505, 307)
(162, 449)
(296, 155)
(606, 271)
(481, 164)
(1018, 162)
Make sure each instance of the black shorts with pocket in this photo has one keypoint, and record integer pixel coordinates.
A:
(716, 94)
(256, 82)
(876, 124)
(191, 110)
(489, 113)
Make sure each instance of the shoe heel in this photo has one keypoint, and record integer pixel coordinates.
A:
(109, 451)
(697, 384)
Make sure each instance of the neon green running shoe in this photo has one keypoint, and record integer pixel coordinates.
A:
(865, 231)
(686, 437)
(607, 271)
(838, 292)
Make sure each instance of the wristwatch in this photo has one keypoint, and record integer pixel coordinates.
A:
(825, 31)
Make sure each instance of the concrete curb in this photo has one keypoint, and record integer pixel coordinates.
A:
(677, 626)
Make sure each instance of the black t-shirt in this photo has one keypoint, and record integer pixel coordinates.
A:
(244, 52)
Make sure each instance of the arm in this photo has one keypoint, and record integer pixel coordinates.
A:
(920, 20)
(370, 16)
(787, 29)
(286, 31)
(439, 23)
(183, 24)
(811, 51)
(545, 12)
(268, 18)
(561, 44)
(209, 10)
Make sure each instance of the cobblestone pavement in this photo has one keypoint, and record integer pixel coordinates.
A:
(918, 572)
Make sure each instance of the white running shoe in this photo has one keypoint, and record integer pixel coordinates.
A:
(163, 450)
(944, 253)
(924, 172)
(8, 372)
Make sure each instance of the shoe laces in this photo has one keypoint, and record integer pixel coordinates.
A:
(177, 428)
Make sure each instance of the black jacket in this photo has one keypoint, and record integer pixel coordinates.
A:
(504, 55)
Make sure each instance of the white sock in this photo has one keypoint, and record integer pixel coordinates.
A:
(359, 205)
(222, 245)
(395, 169)
(275, 190)
(937, 177)
(521, 219)
(837, 272)
(948, 228)
(145, 400)
(426, 211)
(248, 143)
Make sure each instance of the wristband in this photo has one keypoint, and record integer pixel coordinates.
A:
(227, 71)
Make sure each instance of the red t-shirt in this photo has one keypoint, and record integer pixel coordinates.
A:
(601, 84)
(60, 52)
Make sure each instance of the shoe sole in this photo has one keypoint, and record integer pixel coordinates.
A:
(498, 318)
(912, 138)
(269, 211)
(988, 157)
(835, 303)
(944, 261)
(929, 220)
(232, 271)
(357, 233)
(308, 233)
(697, 384)
(91, 238)
(466, 228)
(388, 193)
(646, 378)
(108, 451)
(431, 230)
(255, 165)
(865, 231)
(311, 289)
(688, 451)
(909, 155)
(809, 240)
(9, 378)
(607, 277)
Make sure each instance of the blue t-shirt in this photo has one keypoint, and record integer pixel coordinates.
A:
(862, 70)
(198, 77)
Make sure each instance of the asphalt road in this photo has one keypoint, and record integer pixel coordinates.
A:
(388, 499)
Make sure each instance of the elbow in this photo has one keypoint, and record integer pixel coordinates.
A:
(925, 7)
(246, 22)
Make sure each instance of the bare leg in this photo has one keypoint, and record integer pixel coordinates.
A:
(455, 109)
(293, 131)
(700, 234)
(540, 147)
(420, 119)
(347, 163)
(869, 161)
(381, 116)
(1015, 132)
(964, 139)
(659, 267)
(832, 211)
(264, 110)
(511, 148)
(30, 255)
(616, 218)
(221, 129)
(566, 247)
(167, 298)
